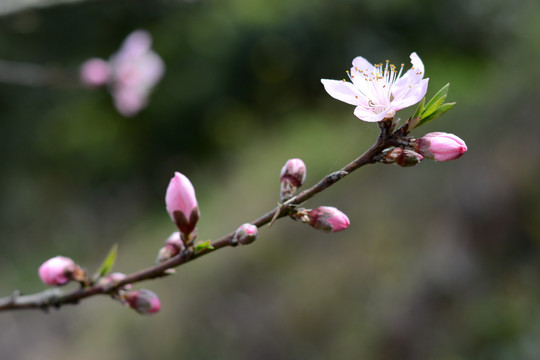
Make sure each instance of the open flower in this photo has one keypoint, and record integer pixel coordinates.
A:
(378, 91)
(130, 73)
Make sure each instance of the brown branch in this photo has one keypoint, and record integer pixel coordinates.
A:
(55, 297)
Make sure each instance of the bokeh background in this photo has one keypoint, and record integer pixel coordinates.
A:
(441, 260)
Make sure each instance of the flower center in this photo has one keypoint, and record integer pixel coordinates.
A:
(376, 85)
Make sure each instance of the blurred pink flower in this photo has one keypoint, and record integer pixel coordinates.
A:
(143, 301)
(131, 73)
(182, 204)
(57, 271)
(381, 90)
(441, 146)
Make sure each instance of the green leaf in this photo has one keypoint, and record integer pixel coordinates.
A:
(440, 111)
(420, 108)
(108, 263)
(203, 245)
(435, 101)
(415, 119)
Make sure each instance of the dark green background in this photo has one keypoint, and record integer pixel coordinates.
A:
(441, 260)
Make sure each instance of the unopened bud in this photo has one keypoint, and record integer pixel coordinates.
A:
(59, 270)
(143, 301)
(408, 158)
(245, 234)
(326, 218)
(182, 204)
(441, 146)
(173, 246)
(293, 175)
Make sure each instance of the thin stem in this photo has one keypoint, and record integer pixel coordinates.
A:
(56, 298)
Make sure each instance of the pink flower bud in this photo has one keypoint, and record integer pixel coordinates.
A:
(293, 175)
(441, 146)
(143, 301)
(182, 204)
(95, 72)
(294, 171)
(245, 234)
(173, 246)
(328, 218)
(57, 271)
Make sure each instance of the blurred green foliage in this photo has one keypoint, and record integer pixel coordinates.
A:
(441, 260)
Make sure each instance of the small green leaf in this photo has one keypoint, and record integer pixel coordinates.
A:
(108, 263)
(420, 108)
(435, 101)
(440, 111)
(203, 245)
(415, 119)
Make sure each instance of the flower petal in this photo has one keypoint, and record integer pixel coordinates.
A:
(361, 64)
(413, 76)
(343, 91)
(367, 114)
(410, 95)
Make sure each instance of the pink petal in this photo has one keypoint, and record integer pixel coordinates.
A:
(411, 95)
(128, 101)
(361, 64)
(368, 115)
(136, 44)
(343, 91)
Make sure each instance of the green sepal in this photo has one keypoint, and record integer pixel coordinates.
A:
(435, 102)
(440, 111)
(203, 245)
(108, 263)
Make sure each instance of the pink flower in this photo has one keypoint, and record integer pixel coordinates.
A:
(441, 146)
(328, 218)
(143, 301)
(136, 70)
(131, 73)
(379, 91)
(57, 271)
(246, 234)
(95, 72)
(182, 204)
